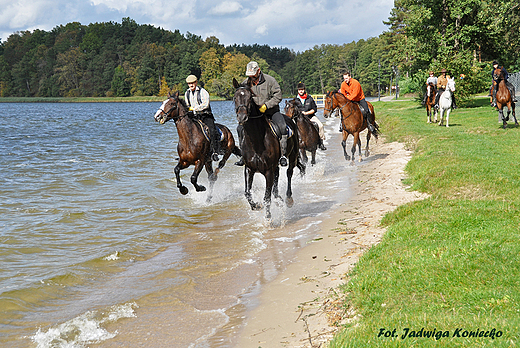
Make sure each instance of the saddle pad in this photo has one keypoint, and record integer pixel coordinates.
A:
(205, 131)
(274, 129)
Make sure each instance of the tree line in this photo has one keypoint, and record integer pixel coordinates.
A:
(129, 59)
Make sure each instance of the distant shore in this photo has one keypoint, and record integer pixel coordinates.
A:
(140, 99)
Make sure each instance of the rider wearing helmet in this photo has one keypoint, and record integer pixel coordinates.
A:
(308, 107)
(509, 85)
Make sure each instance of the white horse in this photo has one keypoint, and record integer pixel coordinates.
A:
(445, 102)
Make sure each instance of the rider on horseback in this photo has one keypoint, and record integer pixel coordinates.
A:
(351, 89)
(197, 99)
(431, 79)
(442, 81)
(509, 85)
(308, 107)
(267, 96)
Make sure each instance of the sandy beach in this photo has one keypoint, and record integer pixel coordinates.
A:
(300, 307)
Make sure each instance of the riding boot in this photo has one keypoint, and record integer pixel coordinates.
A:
(240, 132)
(215, 146)
(512, 92)
(453, 103)
(283, 150)
(321, 146)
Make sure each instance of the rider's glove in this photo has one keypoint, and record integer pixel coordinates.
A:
(190, 108)
(263, 108)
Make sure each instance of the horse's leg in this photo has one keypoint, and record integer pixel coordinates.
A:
(514, 115)
(428, 114)
(435, 114)
(212, 177)
(501, 116)
(269, 182)
(313, 157)
(289, 201)
(441, 115)
(248, 176)
(367, 151)
(353, 149)
(177, 170)
(194, 177)
(229, 145)
(344, 145)
(275, 182)
(448, 117)
(303, 154)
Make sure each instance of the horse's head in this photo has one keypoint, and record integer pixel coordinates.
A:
(451, 85)
(291, 108)
(330, 104)
(169, 109)
(498, 74)
(243, 100)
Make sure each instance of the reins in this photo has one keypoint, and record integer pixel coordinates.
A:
(340, 107)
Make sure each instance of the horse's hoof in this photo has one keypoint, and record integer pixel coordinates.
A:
(213, 177)
(268, 215)
(200, 188)
(184, 190)
(289, 201)
(283, 161)
(256, 206)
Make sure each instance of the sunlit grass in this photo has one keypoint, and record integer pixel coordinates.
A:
(449, 263)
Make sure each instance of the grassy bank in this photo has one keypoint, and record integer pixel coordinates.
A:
(448, 266)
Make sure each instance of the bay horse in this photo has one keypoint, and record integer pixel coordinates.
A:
(431, 91)
(309, 136)
(503, 97)
(445, 101)
(352, 121)
(261, 149)
(194, 147)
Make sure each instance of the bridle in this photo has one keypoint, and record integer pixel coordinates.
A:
(245, 106)
(331, 97)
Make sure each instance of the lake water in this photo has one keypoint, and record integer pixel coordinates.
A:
(98, 248)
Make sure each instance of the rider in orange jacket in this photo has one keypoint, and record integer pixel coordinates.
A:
(351, 89)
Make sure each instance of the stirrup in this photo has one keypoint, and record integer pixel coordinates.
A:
(322, 147)
(214, 157)
(283, 161)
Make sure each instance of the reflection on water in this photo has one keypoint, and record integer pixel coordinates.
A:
(99, 248)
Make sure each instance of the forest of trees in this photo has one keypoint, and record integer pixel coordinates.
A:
(129, 59)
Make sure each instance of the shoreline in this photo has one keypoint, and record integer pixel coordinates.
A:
(302, 306)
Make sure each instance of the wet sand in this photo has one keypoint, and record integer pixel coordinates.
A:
(299, 307)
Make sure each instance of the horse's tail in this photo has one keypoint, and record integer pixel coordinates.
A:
(376, 131)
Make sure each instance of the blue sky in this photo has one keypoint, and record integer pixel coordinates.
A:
(298, 25)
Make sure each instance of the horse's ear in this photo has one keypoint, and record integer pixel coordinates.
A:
(169, 94)
(176, 95)
(235, 83)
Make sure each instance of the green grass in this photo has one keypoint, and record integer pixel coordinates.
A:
(450, 263)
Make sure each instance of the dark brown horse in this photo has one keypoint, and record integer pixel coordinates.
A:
(309, 136)
(431, 91)
(503, 97)
(352, 121)
(261, 149)
(193, 147)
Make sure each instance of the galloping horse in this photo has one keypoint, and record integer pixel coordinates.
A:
(431, 91)
(309, 136)
(261, 149)
(503, 97)
(194, 147)
(352, 121)
(445, 102)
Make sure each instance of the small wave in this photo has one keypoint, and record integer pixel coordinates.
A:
(84, 329)
(112, 257)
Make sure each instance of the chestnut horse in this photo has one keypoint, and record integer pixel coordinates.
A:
(352, 121)
(193, 147)
(309, 136)
(261, 148)
(431, 91)
(503, 97)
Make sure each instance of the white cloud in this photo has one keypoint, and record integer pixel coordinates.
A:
(225, 8)
(294, 24)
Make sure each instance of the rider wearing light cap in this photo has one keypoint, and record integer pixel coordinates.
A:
(197, 99)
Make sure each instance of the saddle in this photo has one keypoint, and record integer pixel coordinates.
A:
(276, 131)
(205, 130)
(364, 112)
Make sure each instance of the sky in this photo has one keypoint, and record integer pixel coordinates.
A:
(297, 25)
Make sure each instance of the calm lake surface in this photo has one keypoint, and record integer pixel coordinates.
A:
(98, 248)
